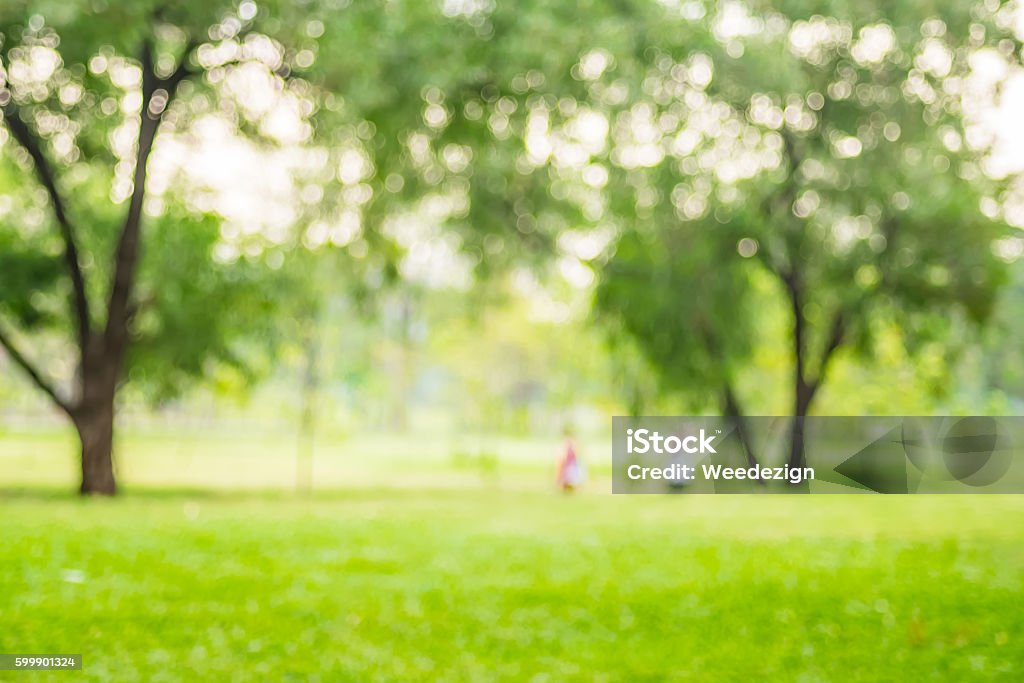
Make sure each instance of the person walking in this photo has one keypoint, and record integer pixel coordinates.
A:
(570, 468)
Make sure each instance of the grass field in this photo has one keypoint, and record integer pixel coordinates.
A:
(483, 580)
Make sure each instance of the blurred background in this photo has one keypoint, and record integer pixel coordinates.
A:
(394, 255)
(452, 232)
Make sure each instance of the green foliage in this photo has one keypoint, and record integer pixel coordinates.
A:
(29, 266)
(75, 84)
(510, 368)
(719, 142)
(828, 153)
(1002, 353)
(195, 308)
(682, 295)
(433, 102)
(26, 276)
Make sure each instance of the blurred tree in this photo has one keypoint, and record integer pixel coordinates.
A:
(86, 92)
(423, 109)
(476, 134)
(683, 298)
(824, 144)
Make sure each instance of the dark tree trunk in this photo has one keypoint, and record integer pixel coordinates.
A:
(803, 390)
(804, 394)
(804, 387)
(94, 416)
(731, 409)
(95, 425)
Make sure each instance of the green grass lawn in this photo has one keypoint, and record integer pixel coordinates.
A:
(465, 584)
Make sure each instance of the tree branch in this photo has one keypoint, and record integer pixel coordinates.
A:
(44, 171)
(837, 330)
(35, 375)
(794, 288)
(732, 411)
(835, 338)
(777, 208)
(157, 94)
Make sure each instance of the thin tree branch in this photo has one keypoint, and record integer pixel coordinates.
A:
(34, 374)
(44, 171)
(157, 94)
(734, 413)
(794, 287)
(777, 208)
(837, 330)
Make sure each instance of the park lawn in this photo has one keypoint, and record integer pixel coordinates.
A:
(497, 584)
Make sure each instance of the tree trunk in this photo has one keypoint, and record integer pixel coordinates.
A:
(94, 416)
(731, 409)
(803, 391)
(95, 425)
(796, 441)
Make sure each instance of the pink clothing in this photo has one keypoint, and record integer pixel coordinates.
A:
(570, 469)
